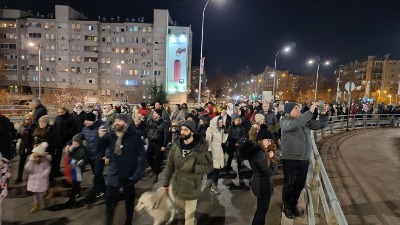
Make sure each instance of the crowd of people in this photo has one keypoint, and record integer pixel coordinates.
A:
(184, 143)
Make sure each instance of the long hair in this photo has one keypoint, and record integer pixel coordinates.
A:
(272, 147)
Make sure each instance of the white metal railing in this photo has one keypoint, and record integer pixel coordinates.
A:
(318, 183)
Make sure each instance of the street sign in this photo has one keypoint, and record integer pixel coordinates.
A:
(350, 86)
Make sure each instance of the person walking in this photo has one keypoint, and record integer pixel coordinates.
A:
(216, 136)
(26, 145)
(94, 156)
(39, 110)
(127, 158)
(158, 137)
(296, 149)
(188, 160)
(236, 137)
(39, 168)
(261, 157)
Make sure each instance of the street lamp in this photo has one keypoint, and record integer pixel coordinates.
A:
(316, 81)
(286, 49)
(39, 46)
(201, 52)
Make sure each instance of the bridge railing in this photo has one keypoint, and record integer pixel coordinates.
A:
(319, 190)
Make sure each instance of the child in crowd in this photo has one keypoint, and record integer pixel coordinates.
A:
(4, 176)
(39, 168)
(74, 165)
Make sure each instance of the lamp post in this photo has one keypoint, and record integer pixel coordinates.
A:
(338, 88)
(316, 80)
(201, 52)
(40, 80)
(286, 49)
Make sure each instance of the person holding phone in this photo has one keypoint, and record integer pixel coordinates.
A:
(296, 149)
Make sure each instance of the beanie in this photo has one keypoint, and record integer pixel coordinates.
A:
(263, 133)
(90, 117)
(288, 107)
(235, 116)
(123, 117)
(158, 111)
(77, 138)
(189, 124)
(41, 149)
(259, 117)
(44, 119)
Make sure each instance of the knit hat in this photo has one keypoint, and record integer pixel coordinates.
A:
(158, 111)
(289, 107)
(44, 119)
(235, 116)
(189, 124)
(263, 133)
(77, 138)
(123, 117)
(143, 104)
(41, 149)
(37, 101)
(90, 117)
(259, 117)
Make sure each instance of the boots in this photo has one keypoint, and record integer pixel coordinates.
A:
(287, 209)
(36, 207)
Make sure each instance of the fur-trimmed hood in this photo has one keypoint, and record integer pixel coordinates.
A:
(249, 149)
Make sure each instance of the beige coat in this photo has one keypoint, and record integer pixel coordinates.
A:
(215, 139)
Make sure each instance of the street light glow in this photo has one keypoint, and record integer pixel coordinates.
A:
(31, 44)
(287, 49)
(310, 61)
(327, 63)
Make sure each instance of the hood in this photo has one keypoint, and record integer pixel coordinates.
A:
(214, 122)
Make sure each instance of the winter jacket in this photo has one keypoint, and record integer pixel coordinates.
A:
(158, 132)
(6, 130)
(237, 134)
(38, 180)
(90, 134)
(26, 135)
(65, 127)
(185, 173)
(39, 112)
(216, 138)
(296, 135)
(261, 181)
(127, 168)
(48, 135)
(79, 117)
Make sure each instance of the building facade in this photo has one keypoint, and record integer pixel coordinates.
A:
(375, 78)
(113, 58)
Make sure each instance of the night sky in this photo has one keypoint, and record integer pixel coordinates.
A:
(250, 32)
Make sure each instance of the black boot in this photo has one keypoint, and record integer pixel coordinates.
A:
(287, 209)
(296, 211)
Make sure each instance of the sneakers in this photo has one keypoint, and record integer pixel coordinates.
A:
(208, 183)
(214, 188)
(101, 194)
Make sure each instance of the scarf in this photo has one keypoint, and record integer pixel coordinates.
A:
(78, 111)
(118, 143)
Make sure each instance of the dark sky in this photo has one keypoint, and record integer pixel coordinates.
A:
(250, 32)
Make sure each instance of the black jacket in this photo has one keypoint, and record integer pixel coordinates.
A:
(261, 181)
(39, 112)
(90, 134)
(26, 135)
(65, 127)
(237, 134)
(6, 131)
(79, 120)
(127, 168)
(158, 132)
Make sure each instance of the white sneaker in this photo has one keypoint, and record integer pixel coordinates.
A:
(214, 188)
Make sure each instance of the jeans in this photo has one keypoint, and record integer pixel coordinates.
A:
(112, 195)
(97, 167)
(261, 211)
(21, 165)
(294, 179)
(231, 150)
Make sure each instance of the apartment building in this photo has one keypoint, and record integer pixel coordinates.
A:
(109, 57)
(376, 78)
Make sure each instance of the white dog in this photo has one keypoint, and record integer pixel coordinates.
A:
(158, 205)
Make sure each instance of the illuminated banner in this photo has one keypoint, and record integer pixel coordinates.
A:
(177, 59)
